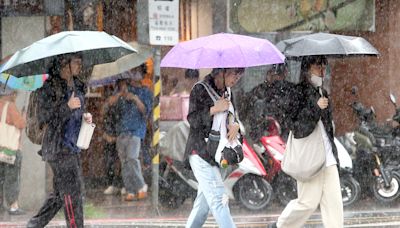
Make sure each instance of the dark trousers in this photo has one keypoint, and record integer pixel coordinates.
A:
(112, 158)
(10, 180)
(67, 184)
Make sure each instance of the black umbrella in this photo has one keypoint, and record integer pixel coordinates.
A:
(326, 44)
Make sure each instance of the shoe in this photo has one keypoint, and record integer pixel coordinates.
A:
(130, 197)
(16, 211)
(110, 190)
(142, 193)
(123, 191)
(272, 225)
(144, 188)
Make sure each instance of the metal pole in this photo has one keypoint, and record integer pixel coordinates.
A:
(156, 127)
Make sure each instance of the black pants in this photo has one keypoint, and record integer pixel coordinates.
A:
(112, 158)
(67, 184)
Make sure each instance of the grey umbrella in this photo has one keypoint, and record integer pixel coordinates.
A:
(326, 44)
(95, 47)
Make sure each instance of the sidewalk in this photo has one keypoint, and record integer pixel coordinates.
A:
(113, 211)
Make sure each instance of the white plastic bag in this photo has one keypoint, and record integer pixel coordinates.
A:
(85, 134)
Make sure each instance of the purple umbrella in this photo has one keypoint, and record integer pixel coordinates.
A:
(222, 50)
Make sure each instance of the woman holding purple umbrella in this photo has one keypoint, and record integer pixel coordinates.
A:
(211, 194)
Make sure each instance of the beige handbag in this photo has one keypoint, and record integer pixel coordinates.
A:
(305, 157)
(9, 139)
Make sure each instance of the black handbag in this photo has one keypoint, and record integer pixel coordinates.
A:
(231, 155)
(213, 142)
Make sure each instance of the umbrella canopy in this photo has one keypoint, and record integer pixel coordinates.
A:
(104, 73)
(95, 47)
(222, 50)
(28, 83)
(326, 44)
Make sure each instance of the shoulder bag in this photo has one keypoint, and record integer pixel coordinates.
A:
(9, 138)
(305, 157)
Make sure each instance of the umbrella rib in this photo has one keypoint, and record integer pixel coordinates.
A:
(340, 41)
(240, 48)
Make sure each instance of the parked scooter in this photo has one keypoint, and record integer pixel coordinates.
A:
(244, 182)
(271, 149)
(375, 145)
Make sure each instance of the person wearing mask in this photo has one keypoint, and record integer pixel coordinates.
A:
(211, 195)
(323, 190)
(61, 101)
(10, 173)
(134, 107)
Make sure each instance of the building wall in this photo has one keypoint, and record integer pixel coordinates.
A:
(375, 77)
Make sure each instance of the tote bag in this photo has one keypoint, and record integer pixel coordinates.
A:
(305, 157)
(9, 139)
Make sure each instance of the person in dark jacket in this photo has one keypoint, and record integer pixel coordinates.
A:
(61, 101)
(269, 99)
(323, 190)
(110, 151)
(211, 194)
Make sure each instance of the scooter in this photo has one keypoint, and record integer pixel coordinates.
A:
(271, 149)
(374, 148)
(244, 182)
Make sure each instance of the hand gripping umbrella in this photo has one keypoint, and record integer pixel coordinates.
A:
(326, 44)
(222, 50)
(95, 47)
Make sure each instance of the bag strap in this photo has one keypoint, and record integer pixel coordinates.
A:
(4, 113)
(213, 94)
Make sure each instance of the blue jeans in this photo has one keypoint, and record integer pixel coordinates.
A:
(210, 195)
(128, 147)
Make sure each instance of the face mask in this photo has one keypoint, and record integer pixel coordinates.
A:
(316, 80)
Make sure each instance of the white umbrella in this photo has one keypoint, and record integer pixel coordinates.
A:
(95, 47)
(103, 73)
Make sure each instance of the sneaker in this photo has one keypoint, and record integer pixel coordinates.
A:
(142, 193)
(144, 188)
(16, 211)
(123, 191)
(110, 190)
(130, 197)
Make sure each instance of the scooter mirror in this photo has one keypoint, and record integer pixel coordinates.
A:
(373, 109)
(354, 90)
(393, 98)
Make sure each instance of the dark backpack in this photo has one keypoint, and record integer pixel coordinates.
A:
(33, 130)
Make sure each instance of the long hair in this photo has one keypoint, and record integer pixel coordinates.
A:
(306, 63)
(59, 62)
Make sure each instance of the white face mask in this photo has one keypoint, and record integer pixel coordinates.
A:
(316, 80)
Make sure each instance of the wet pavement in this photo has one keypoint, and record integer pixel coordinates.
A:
(112, 211)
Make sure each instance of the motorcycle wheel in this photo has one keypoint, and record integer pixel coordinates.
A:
(351, 190)
(387, 195)
(172, 192)
(253, 192)
(170, 200)
(286, 188)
